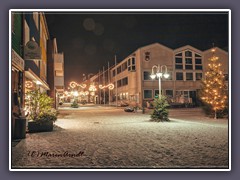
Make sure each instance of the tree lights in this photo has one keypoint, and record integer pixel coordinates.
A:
(214, 88)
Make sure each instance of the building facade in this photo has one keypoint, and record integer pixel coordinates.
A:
(186, 66)
(55, 71)
(28, 57)
(17, 67)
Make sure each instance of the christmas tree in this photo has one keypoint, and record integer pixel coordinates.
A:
(160, 112)
(214, 89)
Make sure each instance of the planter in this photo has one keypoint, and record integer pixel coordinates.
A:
(20, 128)
(43, 126)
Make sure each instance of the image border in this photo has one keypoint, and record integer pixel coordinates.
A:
(122, 11)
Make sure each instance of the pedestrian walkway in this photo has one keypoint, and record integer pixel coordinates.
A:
(112, 138)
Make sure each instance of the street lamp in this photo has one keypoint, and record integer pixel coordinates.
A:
(159, 74)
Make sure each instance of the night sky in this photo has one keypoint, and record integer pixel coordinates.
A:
(90, 40)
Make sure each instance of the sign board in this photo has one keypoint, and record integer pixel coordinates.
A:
(32, 51)
(17, 60)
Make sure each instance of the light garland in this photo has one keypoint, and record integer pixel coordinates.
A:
(109, 86)
(28, 84)
(73, 84)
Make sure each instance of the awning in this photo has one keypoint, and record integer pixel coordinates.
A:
(31, 75)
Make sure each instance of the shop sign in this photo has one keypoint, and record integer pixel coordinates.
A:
(17, 60)
(32, 51)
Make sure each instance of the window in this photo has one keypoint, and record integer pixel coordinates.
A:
(188, 63)
(198, 61)
(114, 72)
(179, 76)
(124, 66)
(147, 94)
(179, 54)
(119, 83)
(146, 75)
(178, 62)
(125, 81)
(147, 56)
(133, 61)
(156, 93)
(188, 60)
(169, 93)
(119, 69)
(198, 76)
(188, 54)
(189, 76)
(198, 67)
(197, 55)
(131, 64)
(179, 66)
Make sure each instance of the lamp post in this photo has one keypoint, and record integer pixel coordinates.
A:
(159, 74)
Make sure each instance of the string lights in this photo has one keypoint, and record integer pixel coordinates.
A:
(214, 90)
(109, 86)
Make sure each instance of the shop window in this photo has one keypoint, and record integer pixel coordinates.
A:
(147, 94)
(189, 76)
(179, 76)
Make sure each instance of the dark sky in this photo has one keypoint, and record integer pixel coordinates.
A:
(90, 40)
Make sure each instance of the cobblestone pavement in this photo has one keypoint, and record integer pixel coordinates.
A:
(105, 137)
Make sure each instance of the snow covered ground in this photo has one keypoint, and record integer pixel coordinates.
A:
(111, 138)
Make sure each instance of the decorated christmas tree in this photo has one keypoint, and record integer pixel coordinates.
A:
(214, 89)
(160, 112)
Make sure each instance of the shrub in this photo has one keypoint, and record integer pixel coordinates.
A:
(74, 104)
(160, 112)
(40, 106)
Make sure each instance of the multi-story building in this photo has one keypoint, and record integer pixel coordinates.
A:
(55, 71)
(186, 66)
(35, 35)
(29, 49)
(17, 67)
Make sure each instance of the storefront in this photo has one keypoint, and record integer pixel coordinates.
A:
(17, 84)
